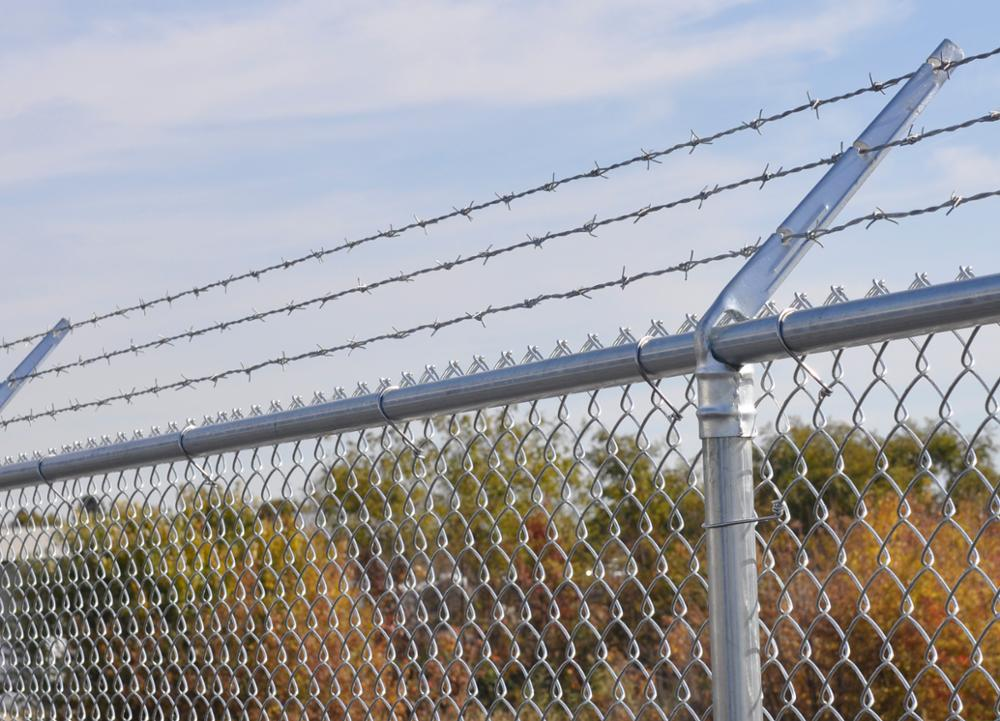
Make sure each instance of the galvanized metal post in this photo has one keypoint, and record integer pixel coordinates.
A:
(726, 411)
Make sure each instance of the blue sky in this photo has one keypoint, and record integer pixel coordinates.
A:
(149, 147)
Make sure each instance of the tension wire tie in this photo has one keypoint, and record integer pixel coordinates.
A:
(675, 414)
(392, 424)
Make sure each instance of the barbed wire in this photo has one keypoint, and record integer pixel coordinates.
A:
(478, 364)
(588, 228)
(396, 334)
(645, 156)
(622, 282)
(894, 217)
(952, 64)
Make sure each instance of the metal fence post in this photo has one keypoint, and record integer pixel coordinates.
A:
(726, 412)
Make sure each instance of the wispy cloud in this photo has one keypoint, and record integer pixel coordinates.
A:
(77, 104)
(965, 167)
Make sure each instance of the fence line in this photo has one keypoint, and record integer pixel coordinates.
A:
(923, 310)
(541, 561)
(508, 545)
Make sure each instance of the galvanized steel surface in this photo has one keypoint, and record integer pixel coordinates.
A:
(726, 411)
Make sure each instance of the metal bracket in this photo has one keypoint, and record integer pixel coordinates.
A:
(17, 377)
(755, 283)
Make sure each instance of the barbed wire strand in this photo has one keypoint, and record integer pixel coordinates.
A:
(877, 215)
(599, 171)
(588, 228)
(296, 401)
(622, 282)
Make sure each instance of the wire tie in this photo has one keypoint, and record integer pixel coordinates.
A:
(675, 414)
(825, 390)
(777, 514)
(47, 482)
(180, 442)
(392, 424)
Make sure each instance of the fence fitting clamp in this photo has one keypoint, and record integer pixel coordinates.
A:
(726, 410)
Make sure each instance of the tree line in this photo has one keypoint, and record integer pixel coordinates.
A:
(518, 571)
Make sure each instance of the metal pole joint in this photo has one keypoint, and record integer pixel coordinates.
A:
(723, 408)
(725, 396)
(726, 412)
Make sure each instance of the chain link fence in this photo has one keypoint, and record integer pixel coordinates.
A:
(540, 560)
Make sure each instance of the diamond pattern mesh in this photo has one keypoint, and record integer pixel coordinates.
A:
(544, 560)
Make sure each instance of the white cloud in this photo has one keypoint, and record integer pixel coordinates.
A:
(130, 85)
(965, 167)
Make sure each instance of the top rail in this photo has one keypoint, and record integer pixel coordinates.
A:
(914, 312)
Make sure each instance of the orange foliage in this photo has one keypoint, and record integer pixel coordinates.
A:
(546, 590)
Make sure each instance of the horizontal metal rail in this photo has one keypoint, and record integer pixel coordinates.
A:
(925, 310)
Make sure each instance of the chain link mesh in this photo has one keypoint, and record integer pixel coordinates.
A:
(542, 560)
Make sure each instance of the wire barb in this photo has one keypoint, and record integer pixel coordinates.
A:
(956, 200)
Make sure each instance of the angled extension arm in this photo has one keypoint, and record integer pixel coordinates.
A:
(45, 346)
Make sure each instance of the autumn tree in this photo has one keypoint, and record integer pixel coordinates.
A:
(519, 563)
